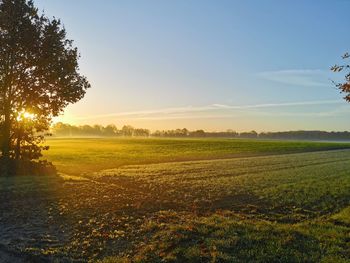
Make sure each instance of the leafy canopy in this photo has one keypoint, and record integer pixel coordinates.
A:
(344, 87)
(39, 76)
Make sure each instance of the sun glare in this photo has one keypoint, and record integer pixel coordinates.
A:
(25, 115)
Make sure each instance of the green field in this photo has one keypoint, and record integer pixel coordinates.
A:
(174, 200)
(79, 156)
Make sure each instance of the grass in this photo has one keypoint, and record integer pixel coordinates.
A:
(78, 156)
(287, 203)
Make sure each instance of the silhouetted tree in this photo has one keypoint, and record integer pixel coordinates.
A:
(344, 87)
(110, 130)
(141, 132)
(198, 133)
(39, 74)
(127, 130)
(98, 129)
(252, 134)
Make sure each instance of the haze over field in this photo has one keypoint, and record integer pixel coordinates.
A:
(244, 65)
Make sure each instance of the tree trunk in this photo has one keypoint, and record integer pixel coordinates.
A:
(6, 145)
(18, 142)
(18, 145)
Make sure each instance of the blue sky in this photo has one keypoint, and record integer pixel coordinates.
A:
(216, 65)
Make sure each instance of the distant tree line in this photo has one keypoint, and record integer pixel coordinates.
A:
(306, 135)
(67, 130)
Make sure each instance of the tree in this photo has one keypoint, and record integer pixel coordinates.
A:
(39, 77)
(110, 130)
(344, 87)
(127, 130)
(198, 133)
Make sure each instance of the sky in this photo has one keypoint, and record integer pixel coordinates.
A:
(213, 65)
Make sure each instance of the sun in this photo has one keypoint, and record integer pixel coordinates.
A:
(25, 115)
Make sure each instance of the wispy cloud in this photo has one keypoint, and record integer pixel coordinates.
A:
(338, 111)
(208, 111)
(299, 77)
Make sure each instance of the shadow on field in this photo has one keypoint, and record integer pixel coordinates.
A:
(28, 167)
(32, 226)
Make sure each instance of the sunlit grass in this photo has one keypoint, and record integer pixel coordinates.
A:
(268, 208)
(79, 156)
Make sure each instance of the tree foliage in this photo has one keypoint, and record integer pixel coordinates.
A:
(344, 86)
(39, 77)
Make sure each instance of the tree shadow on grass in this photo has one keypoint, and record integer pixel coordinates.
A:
(32, 226)
(28, 167)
